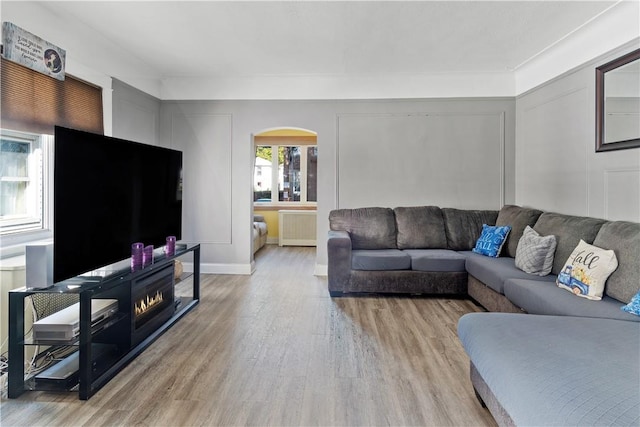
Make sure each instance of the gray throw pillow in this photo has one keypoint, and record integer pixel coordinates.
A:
(534, 254)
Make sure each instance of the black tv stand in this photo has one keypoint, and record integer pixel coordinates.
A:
(105, 348)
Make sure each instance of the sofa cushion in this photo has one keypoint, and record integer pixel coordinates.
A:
(537, 297)
(491, 240)
(380, 259)
(494, 271)
(587, 270)
(624, 239)
(369, 228)
(535, 252)
(568, 231)
(436, 260)
(420, 227)
(561, 371)
(463, 227)
(518, 218)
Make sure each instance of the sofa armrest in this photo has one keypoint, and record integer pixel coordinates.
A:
(339, 261)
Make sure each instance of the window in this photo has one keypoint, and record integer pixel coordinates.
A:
(32, 103)
(285, 173)
(24, 160)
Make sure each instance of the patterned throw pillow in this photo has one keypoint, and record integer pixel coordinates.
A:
(491, 240)
(586, 271)
(634, 305)
(534, 254)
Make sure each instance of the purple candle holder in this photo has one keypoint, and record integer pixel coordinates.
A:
(147, 255)
(137, 250)
(170, 248)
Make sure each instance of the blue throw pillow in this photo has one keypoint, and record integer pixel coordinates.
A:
(634, 305)
(491, 240)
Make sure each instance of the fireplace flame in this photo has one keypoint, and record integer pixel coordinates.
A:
(147, 303)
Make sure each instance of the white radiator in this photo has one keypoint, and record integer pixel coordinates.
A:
(297, 228)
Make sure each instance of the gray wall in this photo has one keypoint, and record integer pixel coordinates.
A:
(557, 167)
(135, 114)
(448, 154)
(421, 145)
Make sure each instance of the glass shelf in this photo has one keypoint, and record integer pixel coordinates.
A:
(105, 356)
(110, 274)
(99, 326)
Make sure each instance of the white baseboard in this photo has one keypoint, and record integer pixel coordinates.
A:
(244, 269)
(272, 240)
(211, 268)
(321, 270)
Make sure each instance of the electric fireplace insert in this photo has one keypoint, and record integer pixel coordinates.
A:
(152, 302)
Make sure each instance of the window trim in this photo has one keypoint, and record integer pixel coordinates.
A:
(28, 230)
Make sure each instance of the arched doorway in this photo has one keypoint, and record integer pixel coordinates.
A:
(285, 165)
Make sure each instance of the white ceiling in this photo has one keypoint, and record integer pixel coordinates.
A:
(215, 38)
(328, 49)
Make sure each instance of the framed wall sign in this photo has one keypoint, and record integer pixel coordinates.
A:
(32, 52)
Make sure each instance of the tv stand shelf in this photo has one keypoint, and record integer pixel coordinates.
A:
(104, 348)
(75, 342)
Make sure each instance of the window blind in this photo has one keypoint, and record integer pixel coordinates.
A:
(34, 102)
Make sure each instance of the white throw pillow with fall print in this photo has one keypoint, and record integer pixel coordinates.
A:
(586, 271)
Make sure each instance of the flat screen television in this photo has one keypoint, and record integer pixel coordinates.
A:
(108, 194)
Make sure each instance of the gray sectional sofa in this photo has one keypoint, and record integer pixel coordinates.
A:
(543, 356)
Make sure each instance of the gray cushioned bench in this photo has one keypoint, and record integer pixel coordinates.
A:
(554, 370)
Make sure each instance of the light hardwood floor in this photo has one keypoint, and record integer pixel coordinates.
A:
(274, 349)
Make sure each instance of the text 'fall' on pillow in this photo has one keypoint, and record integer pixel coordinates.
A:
(491, 240)
(586, 271)
(534, 254)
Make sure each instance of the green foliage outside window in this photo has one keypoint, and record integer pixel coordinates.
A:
(264, 152)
